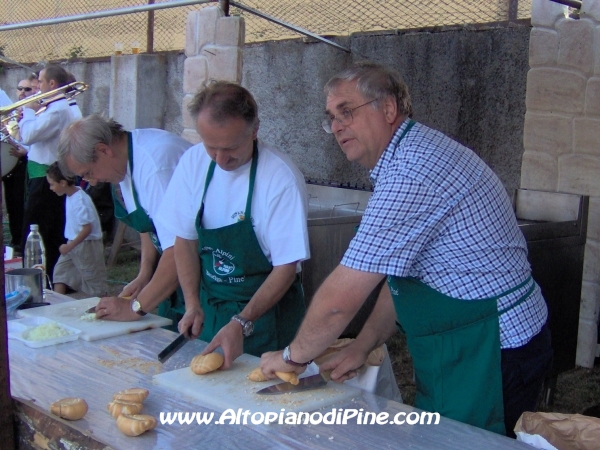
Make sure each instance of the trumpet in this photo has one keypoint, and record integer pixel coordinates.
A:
(9, 126)
(67, 91)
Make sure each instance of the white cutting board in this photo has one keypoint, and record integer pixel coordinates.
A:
(69, 313)
(225, 389)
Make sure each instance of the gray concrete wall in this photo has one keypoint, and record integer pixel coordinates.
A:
(469, 84)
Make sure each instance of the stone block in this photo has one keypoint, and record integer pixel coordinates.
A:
(187, 121)
(224, 63)
(555, 90)
(207, 24)
(587, 340)
(593, 231)
(191, 135)
(231, 31)
(578, 174)
(591, 9)
(195, 74)
(586, 136)
(592, 97)
(191, 34)
(543, 47)
(539, 171)
(590, 301)
(548, 133)
(544, 13)
(591, 262)
(575, 44)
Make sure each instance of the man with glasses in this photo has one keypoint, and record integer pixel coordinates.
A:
(441, 228)
(241, 209)
(139, 164)
(14, 181)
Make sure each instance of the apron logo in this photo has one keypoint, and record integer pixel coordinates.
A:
(222, 264)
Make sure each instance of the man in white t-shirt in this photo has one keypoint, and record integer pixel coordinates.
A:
(241, 210)
(139, 164)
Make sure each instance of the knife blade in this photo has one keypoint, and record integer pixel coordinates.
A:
(172, 348)
(304, 384)
(90, 310)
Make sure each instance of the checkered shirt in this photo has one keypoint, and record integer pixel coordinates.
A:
(439, 214)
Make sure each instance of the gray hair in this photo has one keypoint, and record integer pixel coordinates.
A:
(225, 100)
(374, 81)
(78, 141)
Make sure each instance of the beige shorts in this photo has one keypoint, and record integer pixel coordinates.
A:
(83, 269)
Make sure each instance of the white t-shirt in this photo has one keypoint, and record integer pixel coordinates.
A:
(42, 132)
(279, 204)
(79, 211)
(155, 156)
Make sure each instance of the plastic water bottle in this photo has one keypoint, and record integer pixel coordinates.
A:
(35, 253)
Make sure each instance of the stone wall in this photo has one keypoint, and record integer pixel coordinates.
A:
(562, 131)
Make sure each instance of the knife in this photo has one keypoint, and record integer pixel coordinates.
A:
(172, 348)
(304, 384)
(93, 308)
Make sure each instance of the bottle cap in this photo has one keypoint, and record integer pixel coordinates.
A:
(33, 227)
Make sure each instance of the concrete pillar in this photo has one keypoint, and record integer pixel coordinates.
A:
(137, 90)
(214, 50)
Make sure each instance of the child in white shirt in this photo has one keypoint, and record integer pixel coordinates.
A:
(81, 262)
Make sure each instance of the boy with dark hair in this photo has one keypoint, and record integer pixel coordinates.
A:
(81, 262)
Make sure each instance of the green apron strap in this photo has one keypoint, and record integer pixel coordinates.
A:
(252, 178)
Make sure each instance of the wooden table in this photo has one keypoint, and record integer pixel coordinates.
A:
(95, 370)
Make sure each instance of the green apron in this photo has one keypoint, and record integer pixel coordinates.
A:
(173, 307)
(233, 268)
(455, 347)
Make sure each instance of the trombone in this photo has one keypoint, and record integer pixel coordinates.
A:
(8, 114)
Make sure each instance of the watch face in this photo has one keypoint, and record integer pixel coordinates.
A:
(135, 305)
(248, 328)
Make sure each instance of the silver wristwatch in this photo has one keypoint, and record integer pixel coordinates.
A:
(287, 358)
(136, 307)
(247, 325)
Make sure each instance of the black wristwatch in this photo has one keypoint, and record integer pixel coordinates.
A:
(287, 358)
(136, 307)
(247, 325)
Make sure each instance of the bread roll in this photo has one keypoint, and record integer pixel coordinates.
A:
(136, 395)
(202, 364)
(376, 357)
(257, 375)
(290, 377)
(69, 408)
(135, 424)
(118, 407)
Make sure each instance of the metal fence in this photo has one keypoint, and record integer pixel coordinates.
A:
(166, 27)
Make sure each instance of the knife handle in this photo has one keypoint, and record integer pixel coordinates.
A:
(326, 375)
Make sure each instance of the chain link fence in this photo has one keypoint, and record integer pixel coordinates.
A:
(98, 37)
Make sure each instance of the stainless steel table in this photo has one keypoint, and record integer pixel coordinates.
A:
(95, 370)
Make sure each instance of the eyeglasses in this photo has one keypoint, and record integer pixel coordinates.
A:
(24, 88)
(344, 118)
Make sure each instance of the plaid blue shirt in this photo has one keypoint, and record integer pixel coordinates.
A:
(439, 214)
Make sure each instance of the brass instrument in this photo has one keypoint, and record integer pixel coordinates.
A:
(9, 114)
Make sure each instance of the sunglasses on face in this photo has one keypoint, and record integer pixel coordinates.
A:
(23, 88)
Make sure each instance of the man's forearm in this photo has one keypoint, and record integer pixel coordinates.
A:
(381, 324)
(270, 292)
(336, 302)
(188, 270)
(163, 282)
(149, 256)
